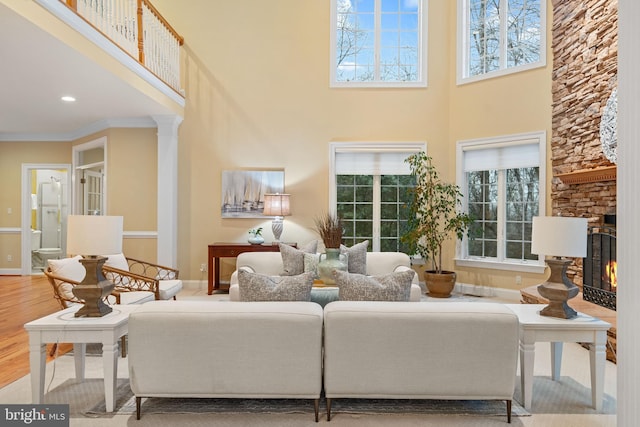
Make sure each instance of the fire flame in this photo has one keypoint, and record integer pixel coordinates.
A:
(611, 269)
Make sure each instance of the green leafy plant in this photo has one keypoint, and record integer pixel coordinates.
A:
(434, 212)
(256, 231)
(330, 229)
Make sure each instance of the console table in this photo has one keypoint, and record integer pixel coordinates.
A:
(232, 250)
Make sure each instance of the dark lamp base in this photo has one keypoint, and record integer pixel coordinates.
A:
(558, 290)
(93, 289)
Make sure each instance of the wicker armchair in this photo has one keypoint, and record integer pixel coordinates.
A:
(130, 273)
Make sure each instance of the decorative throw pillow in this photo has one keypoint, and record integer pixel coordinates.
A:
(311, 264)
(388, 287)
(70, 269)
(357, 257)
(293, 259)
(260, 287)
(118, 261)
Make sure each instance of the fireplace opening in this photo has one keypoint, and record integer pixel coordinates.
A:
(600, 265)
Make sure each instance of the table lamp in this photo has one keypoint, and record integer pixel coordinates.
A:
(91, 236)
(559, 237)
(276, 204)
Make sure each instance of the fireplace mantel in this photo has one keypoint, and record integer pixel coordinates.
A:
(582, 176)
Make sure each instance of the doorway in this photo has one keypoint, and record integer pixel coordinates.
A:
(46, 199)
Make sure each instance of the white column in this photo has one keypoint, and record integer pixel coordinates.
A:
(168, 189)
(628, 221)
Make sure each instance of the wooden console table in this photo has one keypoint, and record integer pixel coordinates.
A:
(232, 250)
(530, 295)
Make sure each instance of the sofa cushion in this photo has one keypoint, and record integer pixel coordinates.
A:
(293, 259)
(356, 257)
(388, 287)
(260, 287)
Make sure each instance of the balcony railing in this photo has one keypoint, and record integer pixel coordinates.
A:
(138, 29)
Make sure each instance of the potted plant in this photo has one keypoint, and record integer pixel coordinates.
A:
(330, 229)
(434, 217)
(256, 236)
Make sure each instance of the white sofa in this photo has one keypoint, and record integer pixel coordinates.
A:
(270, 263)
(218, 349)
(400, 350)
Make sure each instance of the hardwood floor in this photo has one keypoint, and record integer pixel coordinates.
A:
(24, 298)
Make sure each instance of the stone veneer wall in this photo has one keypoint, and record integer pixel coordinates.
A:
(585, 64)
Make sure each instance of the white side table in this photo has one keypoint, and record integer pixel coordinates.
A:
(62, 327)
(583, 328)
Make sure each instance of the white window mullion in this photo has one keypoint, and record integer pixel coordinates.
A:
(504, 28)
(378, 36)
(377, 188)
(502, 213)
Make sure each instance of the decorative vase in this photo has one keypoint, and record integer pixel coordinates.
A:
(331, 260)
(256, 240)
(440, 284)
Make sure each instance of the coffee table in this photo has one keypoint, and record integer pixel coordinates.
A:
(583, 328)
(61, 327)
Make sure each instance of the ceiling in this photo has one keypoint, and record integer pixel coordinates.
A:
(37, 70)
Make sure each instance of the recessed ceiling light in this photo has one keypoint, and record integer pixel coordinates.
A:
(68, 99)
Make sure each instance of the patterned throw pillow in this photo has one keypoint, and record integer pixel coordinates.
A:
(293, 259)
(260, 287)
(388, 287)
(311, 264)
(357, 257)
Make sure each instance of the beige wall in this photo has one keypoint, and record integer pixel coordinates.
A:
(12, 156)
(258, 96)
(256, 76)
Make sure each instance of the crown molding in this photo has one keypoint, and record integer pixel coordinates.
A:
(137, 122)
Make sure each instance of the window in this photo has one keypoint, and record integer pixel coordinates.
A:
(502, 180)
(497, 37)
(377, 43)
(369, 191)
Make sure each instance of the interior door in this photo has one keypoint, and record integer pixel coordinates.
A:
(93, 192)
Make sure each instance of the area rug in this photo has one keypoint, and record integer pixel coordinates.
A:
(125, 404)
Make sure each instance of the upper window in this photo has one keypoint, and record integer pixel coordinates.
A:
(502, 180)
(377, 43)
(497, 37)
(369, 191)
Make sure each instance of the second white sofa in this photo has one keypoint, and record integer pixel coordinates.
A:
(270, 263)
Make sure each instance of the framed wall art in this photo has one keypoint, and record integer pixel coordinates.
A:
(243, 191)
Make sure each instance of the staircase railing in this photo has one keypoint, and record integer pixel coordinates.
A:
(140, 30)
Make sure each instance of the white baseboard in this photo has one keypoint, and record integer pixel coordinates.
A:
(10, 272)
(488, 291)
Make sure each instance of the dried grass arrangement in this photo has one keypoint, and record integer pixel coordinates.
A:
(330, 229)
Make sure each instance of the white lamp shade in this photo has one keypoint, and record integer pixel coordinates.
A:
(276, 204)
(559, 236)
(94, 234)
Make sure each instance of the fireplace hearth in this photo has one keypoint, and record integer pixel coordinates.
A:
(600, 266)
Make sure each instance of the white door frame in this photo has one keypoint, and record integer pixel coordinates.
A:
(26, 207)
(77, 188)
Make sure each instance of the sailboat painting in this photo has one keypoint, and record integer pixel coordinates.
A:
(243, 191)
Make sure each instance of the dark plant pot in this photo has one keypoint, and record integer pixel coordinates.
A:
(441, 284)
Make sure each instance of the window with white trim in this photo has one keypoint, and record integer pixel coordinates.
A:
(502, 180)
(498, 37)
(378, 43)
(369, 191)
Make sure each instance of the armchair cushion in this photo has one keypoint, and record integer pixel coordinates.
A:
(71, 268)
(356, 257)
(259, 287)
(169, 288)
(293, 259)
(118, 261)
(389, 287)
